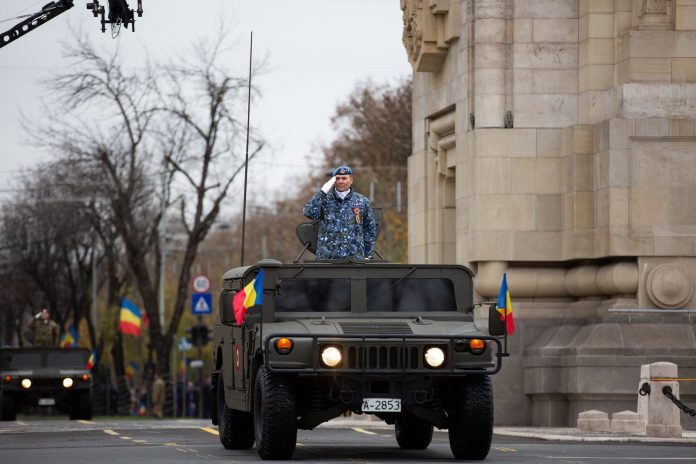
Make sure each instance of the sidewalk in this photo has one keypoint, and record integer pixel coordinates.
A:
(540, 433)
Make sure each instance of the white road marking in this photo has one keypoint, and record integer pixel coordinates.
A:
(507, 450)
(111, 432)
(86, 422)
(367, 432)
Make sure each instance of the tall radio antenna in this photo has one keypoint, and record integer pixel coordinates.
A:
(246, 160)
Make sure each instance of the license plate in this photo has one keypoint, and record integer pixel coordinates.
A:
(381, 405)
(47, 402)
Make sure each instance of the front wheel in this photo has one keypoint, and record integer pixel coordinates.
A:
(471, 418)
(81, 409)
(7, 409)
(275, 416)
(413, 433)
(236, 427)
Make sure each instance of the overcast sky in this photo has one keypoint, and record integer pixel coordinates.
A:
(317, 51)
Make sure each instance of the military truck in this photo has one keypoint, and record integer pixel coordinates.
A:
(395, 340)
(55, 378)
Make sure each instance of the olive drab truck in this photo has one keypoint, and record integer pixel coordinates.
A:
(45, 378)
(395, 340)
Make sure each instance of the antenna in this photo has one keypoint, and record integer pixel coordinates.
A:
(246, 161)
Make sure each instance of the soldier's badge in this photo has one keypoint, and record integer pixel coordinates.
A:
(356, 211)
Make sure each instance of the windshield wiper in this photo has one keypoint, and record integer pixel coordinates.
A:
(410, 271)
(296, 274)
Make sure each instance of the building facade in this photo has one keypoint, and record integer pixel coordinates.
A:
(555, 140)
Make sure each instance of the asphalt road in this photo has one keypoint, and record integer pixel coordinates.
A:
(191, 441)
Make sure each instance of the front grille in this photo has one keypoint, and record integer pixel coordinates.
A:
(382, 328)
(46, 383)
(383, 357)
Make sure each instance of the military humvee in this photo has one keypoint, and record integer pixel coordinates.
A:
(395, 340)
(45, 377)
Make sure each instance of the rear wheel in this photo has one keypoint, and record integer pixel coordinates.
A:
(413, 433)
(275, 416)
(7, 409)
(471, 418)
(236, 427)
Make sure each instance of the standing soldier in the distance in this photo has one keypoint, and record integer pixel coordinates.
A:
(158, 396)
(42, 331)
(347, 224)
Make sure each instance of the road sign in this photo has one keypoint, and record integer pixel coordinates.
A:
(184, 345)
(201, 303)
(201, 283)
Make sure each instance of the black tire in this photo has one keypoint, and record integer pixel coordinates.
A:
(81, 408)
(7, 409)
(236, 427)
(275, 416)
(471, 418)
(413, 433)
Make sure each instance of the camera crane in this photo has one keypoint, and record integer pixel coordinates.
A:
(119, 14)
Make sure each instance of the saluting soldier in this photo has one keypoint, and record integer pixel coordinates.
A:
(43, 330)
(347, 224)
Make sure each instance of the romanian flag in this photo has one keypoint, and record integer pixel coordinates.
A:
(92, 360)
(131, 368)
(130, 320)
(251, 295)
(505, 306)
(70, 337)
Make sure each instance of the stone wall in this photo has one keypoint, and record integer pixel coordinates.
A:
(556, 140)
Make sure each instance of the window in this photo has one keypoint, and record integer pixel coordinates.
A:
(28, 360)
(67, 358)
(313, 295)
(413, 295)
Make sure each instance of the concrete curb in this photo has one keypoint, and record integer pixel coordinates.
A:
(539, 433)
(576, 435)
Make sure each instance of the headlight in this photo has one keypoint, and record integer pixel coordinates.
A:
(331, 356)
(434, 356)
(26, 383)
(67, 382)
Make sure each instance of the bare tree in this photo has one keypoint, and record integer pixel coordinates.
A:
(162, 138)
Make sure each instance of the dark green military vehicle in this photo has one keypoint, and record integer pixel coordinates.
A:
(394, 340)
(35, 378)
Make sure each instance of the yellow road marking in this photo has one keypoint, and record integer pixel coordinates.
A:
(111, 432)
(139, 441)
(507, 450)
(170, 444)
(81, 421)
(367, 432)
(210, 430)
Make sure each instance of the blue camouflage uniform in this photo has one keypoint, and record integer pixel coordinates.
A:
(347, 226)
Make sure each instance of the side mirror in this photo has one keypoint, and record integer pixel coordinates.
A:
(496, 325)
(226, 311)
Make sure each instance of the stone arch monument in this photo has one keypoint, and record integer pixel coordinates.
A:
(556, 140)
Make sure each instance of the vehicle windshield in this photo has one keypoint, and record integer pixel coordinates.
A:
(38, 359)
(27, 360)
(412, 295)
(67, 358)
(384, 294)
(313, 295)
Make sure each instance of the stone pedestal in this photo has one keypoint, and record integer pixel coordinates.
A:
(628, 422)
(662, 416)
(593, 421)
